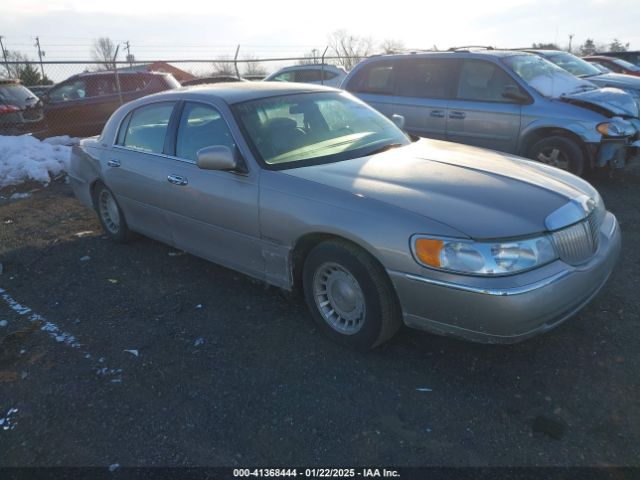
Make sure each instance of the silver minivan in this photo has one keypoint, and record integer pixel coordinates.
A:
(509, 101)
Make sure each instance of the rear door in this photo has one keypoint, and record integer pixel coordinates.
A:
(479, 114)
(137, 167)
(423, 89)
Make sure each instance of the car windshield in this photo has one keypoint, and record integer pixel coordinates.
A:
(574, 65)
(625, 64)
(545, 77)
(319, 127)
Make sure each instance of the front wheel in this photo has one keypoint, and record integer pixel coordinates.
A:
(350, 296)
(560, 152)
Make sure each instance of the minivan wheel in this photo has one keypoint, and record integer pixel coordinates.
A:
(110, 214)
(560, 152)
(350, 296)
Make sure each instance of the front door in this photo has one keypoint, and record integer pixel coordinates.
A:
(213, 214)
(479, 114)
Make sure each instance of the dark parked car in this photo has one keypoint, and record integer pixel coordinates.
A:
(632, 57)
(82, 104)
(20, 109)
(39, 90)
(616, 65)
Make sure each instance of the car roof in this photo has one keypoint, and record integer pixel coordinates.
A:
(120, 73)
(237, 92)
(458, 53)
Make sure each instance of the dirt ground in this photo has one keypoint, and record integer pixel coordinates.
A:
(140, 355)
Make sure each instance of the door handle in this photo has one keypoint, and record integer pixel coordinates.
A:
(457, 115)
(177, 179)
(113, 163)
(437, 113)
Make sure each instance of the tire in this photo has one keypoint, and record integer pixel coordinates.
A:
(341, 278)
(111, 217)
(560, 152)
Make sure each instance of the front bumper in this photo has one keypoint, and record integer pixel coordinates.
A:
(507, 309)
(612, 152)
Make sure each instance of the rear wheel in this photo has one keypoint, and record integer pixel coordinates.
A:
(350, 296)
(110, 214)
(560, 152)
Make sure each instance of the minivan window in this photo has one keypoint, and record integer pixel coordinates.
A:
(201, 126)
(423, 78)
(374, 78)
(483, 81)
(148, 126)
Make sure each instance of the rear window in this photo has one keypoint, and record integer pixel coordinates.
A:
(14, 94)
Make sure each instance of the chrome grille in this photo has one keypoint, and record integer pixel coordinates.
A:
(578, 243)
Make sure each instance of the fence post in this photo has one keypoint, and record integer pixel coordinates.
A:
(115, 70)
(322, 66)
(235, 61)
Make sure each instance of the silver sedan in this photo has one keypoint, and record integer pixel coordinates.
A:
(309, 189)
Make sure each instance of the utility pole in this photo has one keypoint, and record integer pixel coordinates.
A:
(129, 57)
(4, 54)
(570, 40)
(40, 55)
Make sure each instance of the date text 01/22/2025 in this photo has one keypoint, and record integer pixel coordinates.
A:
(316, 472)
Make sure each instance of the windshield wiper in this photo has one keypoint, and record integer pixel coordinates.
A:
(384, 148)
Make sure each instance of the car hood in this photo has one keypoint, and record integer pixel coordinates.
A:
(614, 100)
(481, 193)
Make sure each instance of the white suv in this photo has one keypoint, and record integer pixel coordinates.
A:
(316, 73)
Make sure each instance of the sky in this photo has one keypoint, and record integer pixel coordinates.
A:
(205, 29)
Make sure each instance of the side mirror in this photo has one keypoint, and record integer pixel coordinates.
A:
(513, 93)
(398, 120)
(216, 157)
(45, 98)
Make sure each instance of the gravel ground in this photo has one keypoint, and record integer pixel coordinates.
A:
(143, 356)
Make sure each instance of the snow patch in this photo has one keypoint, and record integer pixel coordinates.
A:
(25, 158)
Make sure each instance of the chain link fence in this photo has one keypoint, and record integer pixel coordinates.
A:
(76, 98)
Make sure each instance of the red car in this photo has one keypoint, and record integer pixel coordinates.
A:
(616, 65)
(82, 104)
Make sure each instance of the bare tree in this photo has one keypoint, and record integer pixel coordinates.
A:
(391, 45)
(224, 66)
(350, 48)
(253, 66)
(104, 50)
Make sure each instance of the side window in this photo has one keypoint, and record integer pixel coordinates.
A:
(614, 67)
(424, 78)
(69, 91)
(132, 83)
(147, 127)
(284, 77)
(101, 85)
(329, 75)
(483, 81)
(377, 77)
(201, 126)
(305, 76)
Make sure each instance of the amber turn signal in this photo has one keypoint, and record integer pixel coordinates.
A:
(428, 251)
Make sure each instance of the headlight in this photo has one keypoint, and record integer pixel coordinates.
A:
(616, 128)
(482, 258)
